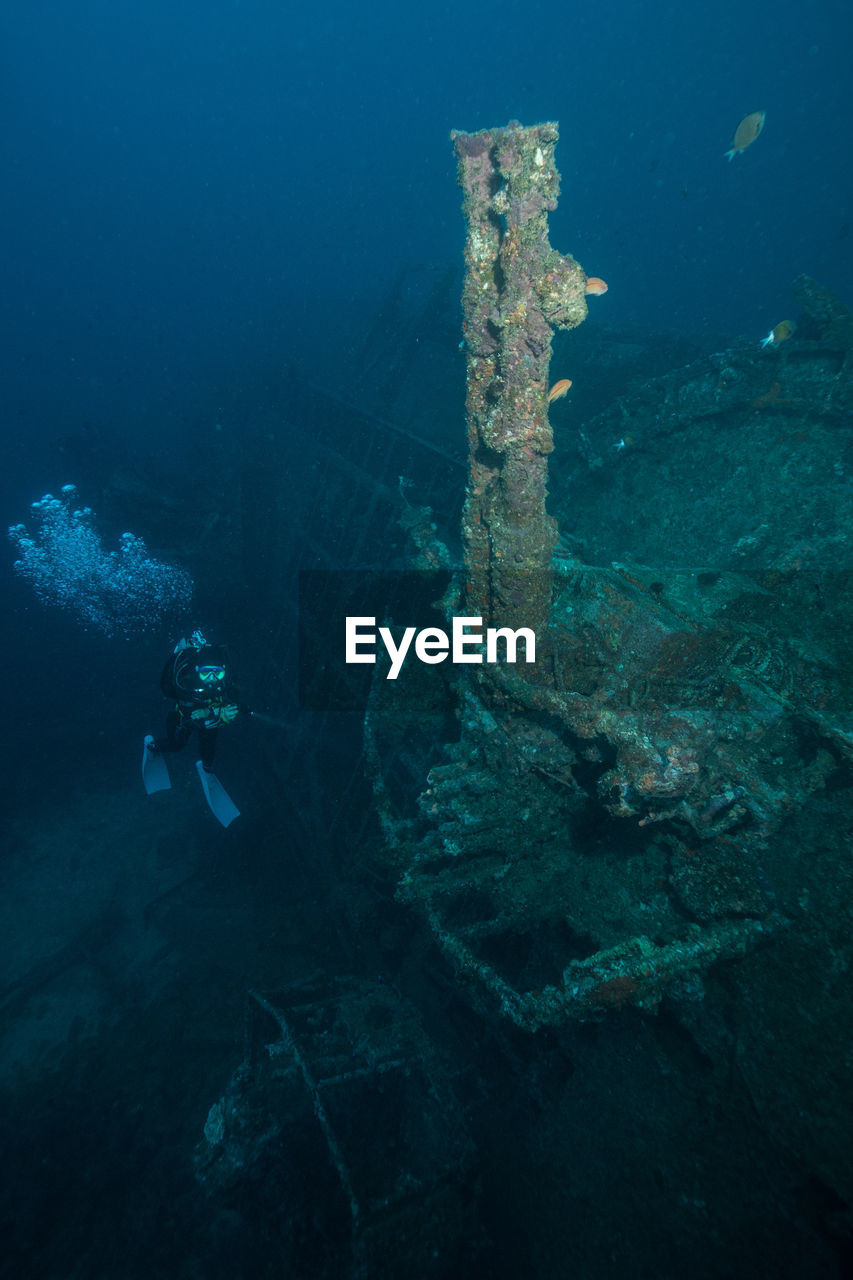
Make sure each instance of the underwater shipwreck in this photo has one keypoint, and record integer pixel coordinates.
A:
(684, 707)
(651, 822)
(602, 830)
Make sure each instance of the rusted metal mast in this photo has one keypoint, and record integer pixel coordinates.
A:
(517, 289)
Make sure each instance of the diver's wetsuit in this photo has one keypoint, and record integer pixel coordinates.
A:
(197, 707)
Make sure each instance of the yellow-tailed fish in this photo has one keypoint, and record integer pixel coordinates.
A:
(779, 333)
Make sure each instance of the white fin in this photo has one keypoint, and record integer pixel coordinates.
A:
(155, 775)
(221, 804)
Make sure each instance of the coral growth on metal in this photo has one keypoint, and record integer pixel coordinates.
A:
(600, 834)
(517, 289)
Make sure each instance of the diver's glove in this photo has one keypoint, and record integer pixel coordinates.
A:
(216, 715)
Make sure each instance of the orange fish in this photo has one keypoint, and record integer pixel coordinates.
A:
(746, 133)
(595, 285)
(769, 397)
(559, 389)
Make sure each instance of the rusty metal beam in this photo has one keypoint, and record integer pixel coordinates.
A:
(517, 290)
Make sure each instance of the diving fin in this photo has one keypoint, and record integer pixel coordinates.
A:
(155, 775)
(221, 804)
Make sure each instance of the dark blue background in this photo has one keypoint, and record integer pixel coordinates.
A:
(197, 186)
(196, 193)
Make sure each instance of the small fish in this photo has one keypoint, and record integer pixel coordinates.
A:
(746, 133)
(559, 389)
(780, 333)
(595, 285)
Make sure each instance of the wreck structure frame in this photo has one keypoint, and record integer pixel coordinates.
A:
(662, 726)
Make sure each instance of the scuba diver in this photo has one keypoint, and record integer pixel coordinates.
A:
(197, 678)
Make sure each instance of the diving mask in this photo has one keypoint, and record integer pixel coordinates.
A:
(211, 675)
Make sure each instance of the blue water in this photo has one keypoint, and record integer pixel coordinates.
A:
(220, 181)
(193, 192)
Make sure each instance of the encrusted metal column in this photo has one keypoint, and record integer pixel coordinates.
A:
(517, 289)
